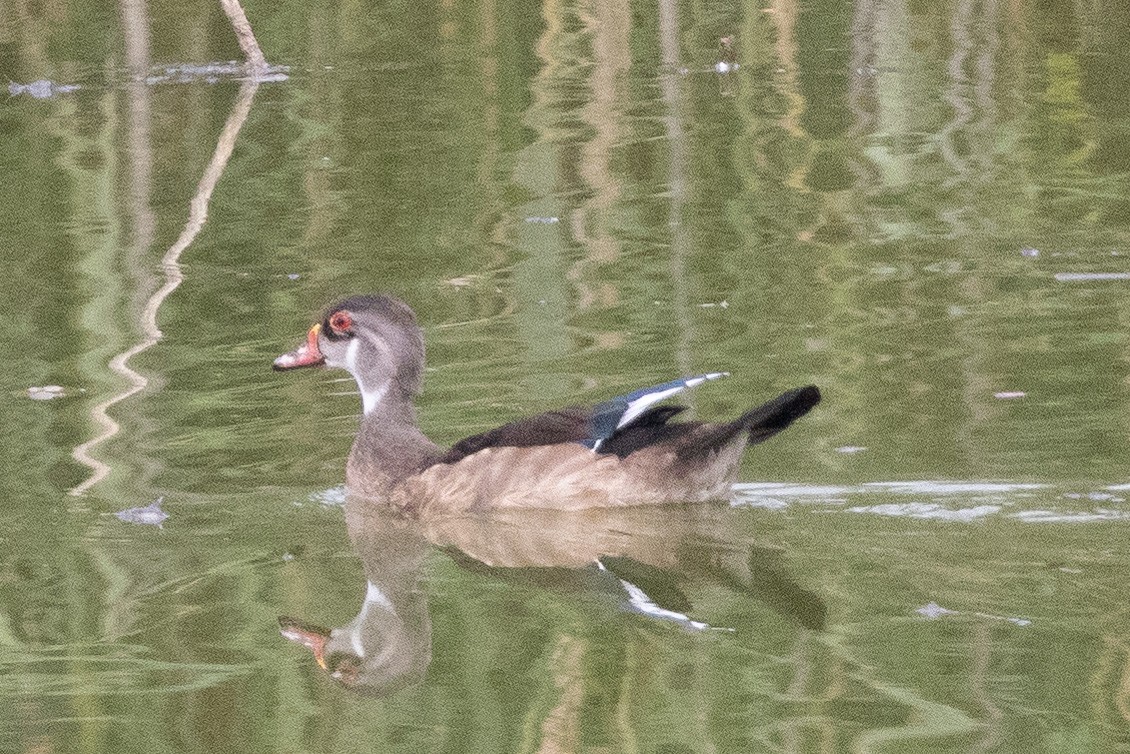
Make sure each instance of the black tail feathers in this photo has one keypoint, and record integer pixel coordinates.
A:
(770, 418)
(760, 423)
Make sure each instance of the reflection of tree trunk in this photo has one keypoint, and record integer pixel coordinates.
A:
(864, 67)
(609, 25)
(139, 171)
(979, 681)
(677, 180)
(135, 25)
(538, 167)
(983, 89)
(560, 730)
(977, 383)
(895, 97)
(784, 20)
(198, 213)
(956, 90)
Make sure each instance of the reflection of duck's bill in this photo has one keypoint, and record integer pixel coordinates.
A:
(309, 635)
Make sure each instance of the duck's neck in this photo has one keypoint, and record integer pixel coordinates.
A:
(389, 445)
(386, 400)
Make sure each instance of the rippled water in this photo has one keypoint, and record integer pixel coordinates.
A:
(919, 207)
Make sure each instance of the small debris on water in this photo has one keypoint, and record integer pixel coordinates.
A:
(293, 275)
(45, 393)
(288, 557)
(543, 220)
(149, 515)
(1010, 395)
(1028, 251)
(727, 58)
(723, 304)
(850, 449)
(933, 611)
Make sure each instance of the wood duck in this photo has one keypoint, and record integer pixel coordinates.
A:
(624, 451)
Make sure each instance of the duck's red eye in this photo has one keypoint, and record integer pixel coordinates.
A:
(341, 322)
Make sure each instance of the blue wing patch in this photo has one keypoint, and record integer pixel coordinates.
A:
(619, 412)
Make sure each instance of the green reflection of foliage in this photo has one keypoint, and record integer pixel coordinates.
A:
(1066, 114)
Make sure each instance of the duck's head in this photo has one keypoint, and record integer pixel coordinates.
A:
(374, 338)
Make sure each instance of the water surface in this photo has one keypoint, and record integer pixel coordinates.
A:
(922, 208)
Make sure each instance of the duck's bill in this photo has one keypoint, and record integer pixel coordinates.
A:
(306, 355)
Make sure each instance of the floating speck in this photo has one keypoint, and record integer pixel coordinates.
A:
(543, 220)
(150, 515)
(293, 276)
(933, 611)
(1028, 251)
(288, 557)
(712, 304)
(850, 449)
(1009, 395)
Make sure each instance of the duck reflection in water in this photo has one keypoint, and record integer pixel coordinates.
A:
(647, 561)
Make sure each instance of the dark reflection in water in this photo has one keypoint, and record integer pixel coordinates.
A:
(389, 642)
(648, 561)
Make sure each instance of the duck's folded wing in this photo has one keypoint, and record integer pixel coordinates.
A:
(550, 428)
(624, 411)
(619, 425)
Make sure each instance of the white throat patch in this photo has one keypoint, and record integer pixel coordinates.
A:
(371, 395)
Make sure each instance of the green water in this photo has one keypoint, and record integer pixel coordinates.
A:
(923, 208)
